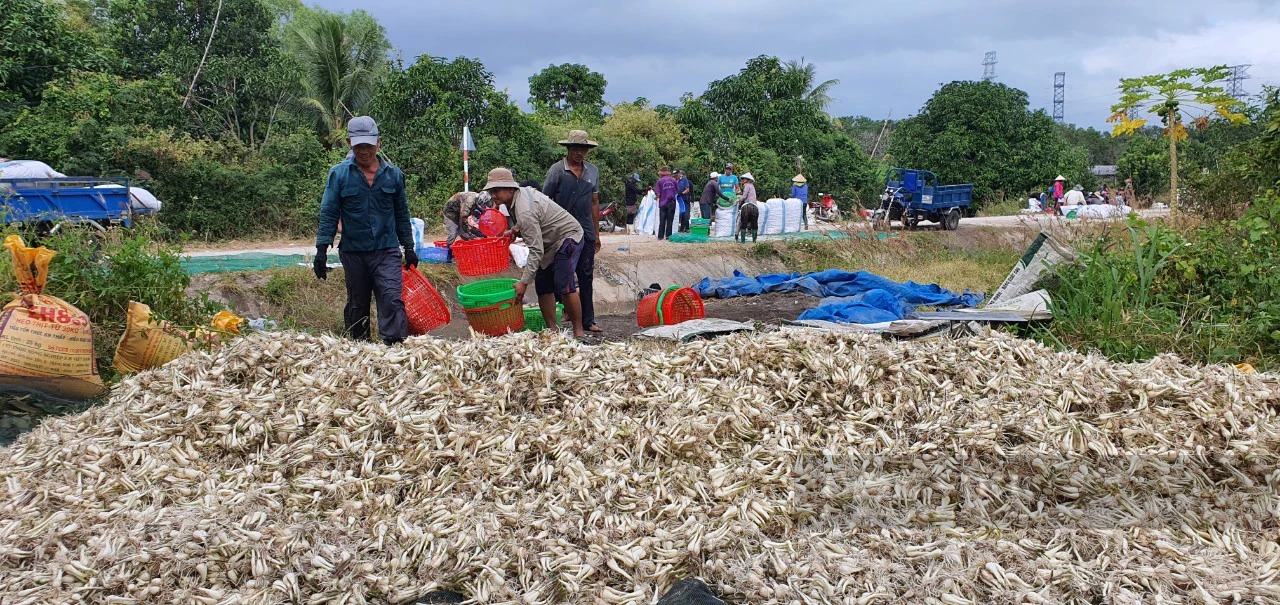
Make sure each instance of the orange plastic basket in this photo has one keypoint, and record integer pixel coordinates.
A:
(425, 307)
(496, 320)
(669, 307)
(484, 256)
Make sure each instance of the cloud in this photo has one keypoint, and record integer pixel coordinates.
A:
(887, 55)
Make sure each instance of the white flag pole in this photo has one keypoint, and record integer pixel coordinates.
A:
(467, 146)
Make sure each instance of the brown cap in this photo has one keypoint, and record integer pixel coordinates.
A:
(500, 177)
(578, 138)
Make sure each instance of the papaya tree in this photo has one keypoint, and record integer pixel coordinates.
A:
(1176, 97)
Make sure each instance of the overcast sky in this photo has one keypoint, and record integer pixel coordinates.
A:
(888, 56)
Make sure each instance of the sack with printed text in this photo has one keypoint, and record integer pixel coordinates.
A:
(46, 344)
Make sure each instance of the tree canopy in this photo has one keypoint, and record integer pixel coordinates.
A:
(984, 133)
(568, 89)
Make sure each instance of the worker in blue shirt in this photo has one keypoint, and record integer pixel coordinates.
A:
(684, 198)
(800, 191)
(366, 193)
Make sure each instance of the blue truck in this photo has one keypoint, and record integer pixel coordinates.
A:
(45, 202)
(911, 196)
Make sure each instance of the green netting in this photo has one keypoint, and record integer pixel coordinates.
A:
(246, 262)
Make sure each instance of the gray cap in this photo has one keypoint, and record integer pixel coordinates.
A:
(362, 130)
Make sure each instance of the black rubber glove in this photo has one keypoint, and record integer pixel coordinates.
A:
(321, 264)
(410, 257)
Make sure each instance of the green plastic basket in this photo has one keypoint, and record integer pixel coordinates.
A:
(705, 222)
(486, 292)
(703, 230)
(533, 317)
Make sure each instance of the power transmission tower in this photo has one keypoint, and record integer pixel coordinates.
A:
(1059, 95)
(989, 67)
(1235, 85)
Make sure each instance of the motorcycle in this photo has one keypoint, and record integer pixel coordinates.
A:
(612, 216)
(825, 209)
(893, 202)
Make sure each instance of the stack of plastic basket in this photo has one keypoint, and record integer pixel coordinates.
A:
(669, 307)
(491, 306)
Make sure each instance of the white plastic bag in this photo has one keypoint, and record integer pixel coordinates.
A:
(141, 199)
(647, 215)
(792, 215)
(419, 230)
(28, 169)
(726, 224)
(519, 253)
(770, 216)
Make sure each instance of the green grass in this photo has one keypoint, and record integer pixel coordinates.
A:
(1006, 207)
(1206, 292)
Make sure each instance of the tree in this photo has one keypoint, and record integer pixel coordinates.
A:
(819, 94)
(421, 111)
(567, 89)
(767, 111)
(871, 134)
(1146, 161)
(983, 133)
(1174, 97)
(224, 52)
(38, 43)
(342, 59)
(637, 139)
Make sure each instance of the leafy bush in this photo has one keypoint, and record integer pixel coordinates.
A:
(1207, 294)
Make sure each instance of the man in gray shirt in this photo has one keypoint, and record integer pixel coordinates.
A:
(574, 184)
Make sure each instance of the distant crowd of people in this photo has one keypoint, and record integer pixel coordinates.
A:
(1058, 196)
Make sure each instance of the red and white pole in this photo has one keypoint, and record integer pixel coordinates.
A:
(466, 171)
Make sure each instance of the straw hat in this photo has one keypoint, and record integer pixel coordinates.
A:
(799, 178)
(500, 177)
(578, 138)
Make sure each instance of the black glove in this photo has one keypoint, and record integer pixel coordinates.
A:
(321, 264)
(410, 257)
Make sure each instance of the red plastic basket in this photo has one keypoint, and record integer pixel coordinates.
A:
(422, 303)
(669, 307)
(484, 256)
(442, 243)
(496, 320)
(492, 223)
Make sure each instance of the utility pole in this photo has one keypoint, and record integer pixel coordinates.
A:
(989, 67)
(881, 135)
(1235, 84)
(1059, 95)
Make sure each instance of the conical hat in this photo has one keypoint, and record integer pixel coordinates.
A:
(1060, 178)
(799, 178)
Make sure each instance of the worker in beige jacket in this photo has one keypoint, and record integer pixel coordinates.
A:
(554, 239)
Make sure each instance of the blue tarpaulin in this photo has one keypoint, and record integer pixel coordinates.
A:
(859, 297)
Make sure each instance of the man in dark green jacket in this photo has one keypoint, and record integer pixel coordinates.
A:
(366, 193)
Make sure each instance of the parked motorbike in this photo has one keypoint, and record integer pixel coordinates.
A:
(892, 203)
(825, 209)
(612, 216)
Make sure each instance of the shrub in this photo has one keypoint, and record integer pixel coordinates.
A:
(1206, 293)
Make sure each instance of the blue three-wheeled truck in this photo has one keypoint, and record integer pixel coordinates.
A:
(45, 202)
(912, 196)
